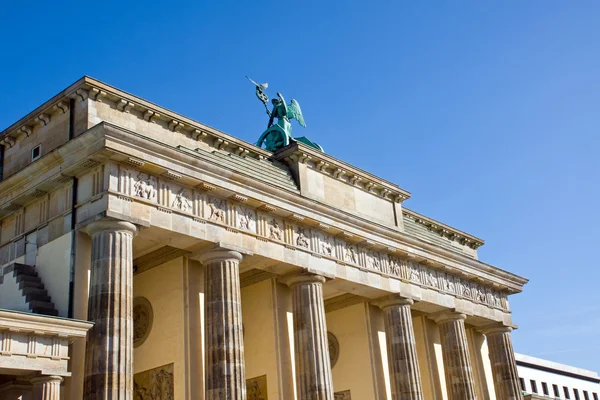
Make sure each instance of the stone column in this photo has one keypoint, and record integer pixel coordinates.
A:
(403, 363)
(46, 387)
(225, 369)
(455, 351)
(313, 366)
(109, 349)
(504, 366)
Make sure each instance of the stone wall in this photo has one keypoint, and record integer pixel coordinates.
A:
(162, 286)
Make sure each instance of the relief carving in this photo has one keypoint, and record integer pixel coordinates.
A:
(373, 260)
(334, 348)
(350, 254)
(465, 290)
(275, 231)
(302, 239)
(181, 201)
(154, 384)
(448, 283)
(431, 278)
(414, 272)
(345, 395)
(394, 267)
(496, 300)
(145, 186)
(480, 294)
(143, 317)
(256, 388)
(217, 209)
(326, 247)
(246, 219)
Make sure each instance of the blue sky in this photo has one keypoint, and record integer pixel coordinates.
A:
(488, 112)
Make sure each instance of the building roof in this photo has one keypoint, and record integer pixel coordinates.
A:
(551, 366)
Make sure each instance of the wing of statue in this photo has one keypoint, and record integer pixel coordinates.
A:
(294, 112)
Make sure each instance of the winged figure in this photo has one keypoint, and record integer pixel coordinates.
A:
(278, 134)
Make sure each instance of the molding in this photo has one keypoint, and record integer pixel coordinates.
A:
(299, 153)
(43, 325)
(444, 230)
(105, 135)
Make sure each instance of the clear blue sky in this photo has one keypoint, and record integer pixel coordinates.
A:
(487, 111)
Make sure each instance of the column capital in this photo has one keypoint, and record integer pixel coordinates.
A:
(302, 277)
(113, 225)
(496, 328)
(38, 380)
(220, 252)
(447, 316)
(394, 300)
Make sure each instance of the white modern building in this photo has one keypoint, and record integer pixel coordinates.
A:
(548, 379)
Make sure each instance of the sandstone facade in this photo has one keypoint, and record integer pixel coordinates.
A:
(214, 269)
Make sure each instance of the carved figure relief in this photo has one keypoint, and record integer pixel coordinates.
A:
(496, 300)
(345, 395)
(181, 201)
(217, 209)
(275, 231)
(302, 239)
(256, 388)
(350, 254)
(145, 186)
(448, 283)
(246, 219)
(394, 266)
(465, 290)
(334, 348)
(480, 294)
(325, 246)
(373, 260)
(154, 384)
(143, 317)
(414, 272)
(431, 278)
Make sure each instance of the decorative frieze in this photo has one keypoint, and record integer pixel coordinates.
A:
(294, 232)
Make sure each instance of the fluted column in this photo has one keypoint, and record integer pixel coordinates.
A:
(109, 349)
(225, 369)
(403, 363)
(313, 367)
(46, 387)
(455, 351)
(504, 365)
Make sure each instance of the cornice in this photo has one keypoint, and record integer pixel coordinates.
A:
(212, 174)
(444, 230)
(326, 164)
(98, 144)
(43, 325)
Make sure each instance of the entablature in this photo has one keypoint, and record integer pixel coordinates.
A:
(177, 181)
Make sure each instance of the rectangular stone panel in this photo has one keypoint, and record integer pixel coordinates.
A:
(154, 384)
(256, 388)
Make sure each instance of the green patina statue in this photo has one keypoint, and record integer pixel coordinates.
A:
(278, 135)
